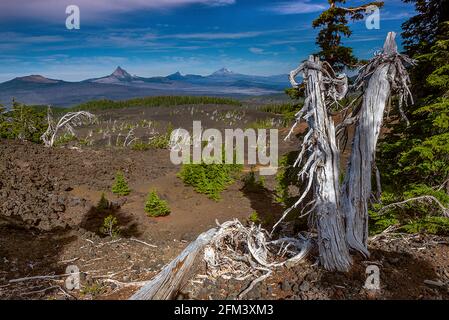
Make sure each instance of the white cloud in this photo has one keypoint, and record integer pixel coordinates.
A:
(396, 16)
(213, 36)
(296, 7)
(256, 50)
(44, 9)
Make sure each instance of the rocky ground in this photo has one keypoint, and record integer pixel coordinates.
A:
(49, 221)
(48, 198)
(411, 267)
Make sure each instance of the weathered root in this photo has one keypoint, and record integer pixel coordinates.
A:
(231, 251)
(239, 252)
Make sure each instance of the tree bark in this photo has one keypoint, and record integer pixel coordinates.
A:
(356, 189)
(322, 165)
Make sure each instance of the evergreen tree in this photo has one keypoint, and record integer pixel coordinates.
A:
(155, 206)
(418, 155)
(120, 186)
(422, 30)
(103, 204)
(3, 123)
(420, 34)
(334, 24)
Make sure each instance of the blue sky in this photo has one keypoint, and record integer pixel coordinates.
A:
(159, 37)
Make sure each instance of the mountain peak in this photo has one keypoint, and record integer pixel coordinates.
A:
(175, 76)
(223, 72)
(37, 79)
(121, 73)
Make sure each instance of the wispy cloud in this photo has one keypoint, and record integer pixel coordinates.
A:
(14, 37)
(256, 50)
(44, 9)
(213, 35)
(396, 15)
(295, 7)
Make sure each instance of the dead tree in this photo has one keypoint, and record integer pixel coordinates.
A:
(345, 207)
(382, 77)
(231, 251)
(67, 122)
(320, 155)
(334, 207)
(174, 275)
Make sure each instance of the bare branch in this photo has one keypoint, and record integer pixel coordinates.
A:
(425, 199)
(66, 122)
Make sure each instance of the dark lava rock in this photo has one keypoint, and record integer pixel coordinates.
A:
(285, 285)
(305, 286)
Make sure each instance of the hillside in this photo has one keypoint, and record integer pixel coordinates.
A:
(120, 85)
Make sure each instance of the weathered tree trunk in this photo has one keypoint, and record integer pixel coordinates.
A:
(378, 78)
(320, 155)
(171, 279)
(322, 165)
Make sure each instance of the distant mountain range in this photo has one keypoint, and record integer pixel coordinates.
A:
(119, 85)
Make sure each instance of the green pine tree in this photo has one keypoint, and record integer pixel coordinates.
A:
(103, 204)
(419, 154)
(155, 206)
(334, 25)
(120, 185)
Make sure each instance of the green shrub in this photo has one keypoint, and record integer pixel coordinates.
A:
(120, 185)
(286, 176)
(93, 289)
(85, 142)
(209, 179)
(416, 190)
(411, 217)
(109, 227)
(140, 146)
(252, 183)
(155, 206)
(103, 204)
(159, 142)
(262, 124)
(287, 110)
(254, 217)
(23, 122)
(380, 222)
(429, 224)
(64, 139)
(419, 153)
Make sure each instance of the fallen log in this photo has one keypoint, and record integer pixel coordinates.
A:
(173, 276)
(231, 251)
